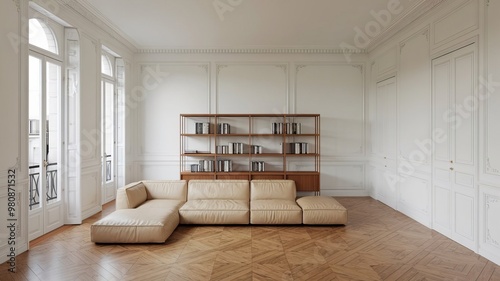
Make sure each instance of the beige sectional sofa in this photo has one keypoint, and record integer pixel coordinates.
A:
(149, 211)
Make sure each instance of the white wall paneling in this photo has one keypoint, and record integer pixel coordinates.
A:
(72, 128)
(90, 127)
(456, 23)
(91, 196)
(158, 170)
(414, 126)
(252, 88)
(386, 63)
(415, 197)
(167, 91)
(343, 178)
(454, 162)
(90, 100)
(490, 97)
(336, 92)
(489, 228)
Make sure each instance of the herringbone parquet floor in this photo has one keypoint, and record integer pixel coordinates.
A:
(377, 244)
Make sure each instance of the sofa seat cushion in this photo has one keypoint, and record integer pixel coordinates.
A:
(148, 225)
(163, 204)
(275, 211)
(322, 210)
(214, 212)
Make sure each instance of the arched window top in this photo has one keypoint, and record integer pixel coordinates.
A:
(42, 36)
(106, 66)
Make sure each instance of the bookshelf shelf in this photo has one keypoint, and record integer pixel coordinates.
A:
(251, 146)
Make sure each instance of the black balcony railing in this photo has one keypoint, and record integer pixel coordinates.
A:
(51, 184)
(109, 174)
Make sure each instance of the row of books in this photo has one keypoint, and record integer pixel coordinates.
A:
(202, 127)
(209, 166)
(230, 148)
(224, 166)
(295, 147)
(286, 128)
(223, 128)
(256, 149)
(258, 166)
(203, 166)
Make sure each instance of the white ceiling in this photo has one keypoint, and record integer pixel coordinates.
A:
(168, 24)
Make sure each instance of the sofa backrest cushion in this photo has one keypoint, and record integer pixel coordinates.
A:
(131, 195)
(273, 189)
(166, 189)
(218, 189)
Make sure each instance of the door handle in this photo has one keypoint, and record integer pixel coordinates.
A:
(451, 168)
(45, 163)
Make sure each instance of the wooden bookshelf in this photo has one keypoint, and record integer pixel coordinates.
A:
(251, 146)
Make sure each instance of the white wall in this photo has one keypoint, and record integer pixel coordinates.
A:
(407, 56)
(252, 83)
(12, 78)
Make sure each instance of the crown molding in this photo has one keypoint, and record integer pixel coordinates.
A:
(89, 13)
(409, 15)
(251, 51)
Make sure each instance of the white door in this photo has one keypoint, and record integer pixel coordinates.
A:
(386, 141)
(45, 167)
(455, 132)
(108, 141)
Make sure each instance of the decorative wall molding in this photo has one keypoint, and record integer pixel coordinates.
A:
(283, 66)
(250, 51)
(204, 66)
(491, 169)
(299, 67)
(490, 200)
(426, 33)
(358, 66)
(219, 68)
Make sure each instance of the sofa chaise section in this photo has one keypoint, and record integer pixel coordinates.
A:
(216, 202)
(146, 212)
(135, 226)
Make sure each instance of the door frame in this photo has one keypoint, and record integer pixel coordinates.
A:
(46, 211)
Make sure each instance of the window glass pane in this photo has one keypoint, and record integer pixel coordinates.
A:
(41, 35)
(34, 127)
(106, 67)
(52, 136)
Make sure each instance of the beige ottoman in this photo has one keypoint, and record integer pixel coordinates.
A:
(135, 226)
(322, 210)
